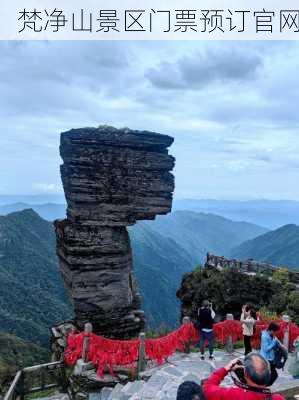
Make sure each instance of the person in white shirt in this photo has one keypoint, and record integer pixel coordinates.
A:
(248, 324)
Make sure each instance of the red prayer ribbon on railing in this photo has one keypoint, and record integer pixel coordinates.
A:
(109, 353)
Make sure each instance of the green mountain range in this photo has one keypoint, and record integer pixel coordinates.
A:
(32, 296)
(159, 264)
(279, 247)
(199, 233)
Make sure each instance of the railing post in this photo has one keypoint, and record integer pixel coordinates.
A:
(141, 364)
(85, 347)
(186, 320)
(286, 335)
(82, 363)
(229, 343)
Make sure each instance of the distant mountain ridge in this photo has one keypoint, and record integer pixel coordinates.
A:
(48, 211)
(199, 233)
(279, 247)
(269, 213)
(32, 199)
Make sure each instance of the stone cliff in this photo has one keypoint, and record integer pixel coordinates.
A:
(111, 178)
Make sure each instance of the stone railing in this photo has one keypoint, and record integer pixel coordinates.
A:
(247, 266)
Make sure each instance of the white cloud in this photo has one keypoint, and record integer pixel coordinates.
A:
(227, 104)
(46, 187)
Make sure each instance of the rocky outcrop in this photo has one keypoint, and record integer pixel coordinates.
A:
(111, 178)
(58, 340)
(250, 266)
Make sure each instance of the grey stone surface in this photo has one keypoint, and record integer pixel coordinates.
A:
(173, 371)
(115, 394)
(135, 387)
(105, 393)
(111, 178)
(166, 379)
(96, 395)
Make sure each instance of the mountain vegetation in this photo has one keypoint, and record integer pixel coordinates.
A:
(15, 353)
(278, 247)
(32, 296)
(229, 289)
(159, 263)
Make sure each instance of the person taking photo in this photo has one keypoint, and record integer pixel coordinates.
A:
(248, 323)
(206, 317)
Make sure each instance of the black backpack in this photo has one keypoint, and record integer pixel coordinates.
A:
(280, 356)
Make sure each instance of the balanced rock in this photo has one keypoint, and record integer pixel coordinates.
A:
(111, 178)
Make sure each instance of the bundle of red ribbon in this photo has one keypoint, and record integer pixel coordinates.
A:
(108, 353)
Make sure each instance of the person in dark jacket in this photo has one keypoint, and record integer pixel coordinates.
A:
(257, 374)
(206, 317)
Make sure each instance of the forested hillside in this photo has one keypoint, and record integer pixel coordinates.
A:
(159, 264)
(32, 295)
(279, 247)
(15, 353)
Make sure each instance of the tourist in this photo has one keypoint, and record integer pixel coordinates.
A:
(206, 317)
(256, 374)
(268, 343)
(248, 324)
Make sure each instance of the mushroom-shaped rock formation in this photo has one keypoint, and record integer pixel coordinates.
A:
(111, 178)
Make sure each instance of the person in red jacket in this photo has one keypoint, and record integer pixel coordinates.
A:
(256, 373)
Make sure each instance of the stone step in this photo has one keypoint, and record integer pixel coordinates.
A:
(116, 392)
(135, 388)
(100, 395)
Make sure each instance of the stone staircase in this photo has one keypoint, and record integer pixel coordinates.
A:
(161, 383)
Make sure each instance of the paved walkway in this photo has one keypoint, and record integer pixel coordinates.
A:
(161, 383)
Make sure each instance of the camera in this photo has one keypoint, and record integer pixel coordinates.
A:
(239, 371)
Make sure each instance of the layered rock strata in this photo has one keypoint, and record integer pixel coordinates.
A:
(111, 178)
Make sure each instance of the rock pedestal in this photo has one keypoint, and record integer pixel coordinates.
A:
(111, 178)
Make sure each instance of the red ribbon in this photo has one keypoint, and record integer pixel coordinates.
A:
(107, 353)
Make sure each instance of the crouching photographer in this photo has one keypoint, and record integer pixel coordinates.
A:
(251, 378)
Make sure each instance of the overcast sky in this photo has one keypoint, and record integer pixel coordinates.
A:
(231, 106)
